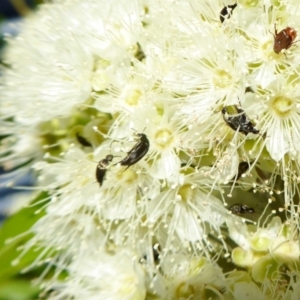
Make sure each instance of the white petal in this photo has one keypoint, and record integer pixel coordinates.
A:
(247, 291)
(122, 207)
(187, 224)
(159, 206)
(277, 143)
(166, 166)
(238, 232)
(227, 166)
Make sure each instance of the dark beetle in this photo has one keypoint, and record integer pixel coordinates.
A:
(226, 12)
(139, 150)
(239, 122)
(239, 209)
(243, 167)
(83, 141)
(102, 168)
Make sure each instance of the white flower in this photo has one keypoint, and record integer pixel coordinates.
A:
(277, 239)
(126, 89)
(65, 59)
(185, 208)
(20, 148)
(101, 275)
(259, 40)
(277, 110)
(244, 288)
(216, 76)
(165, 131)
(125, 190)
(193, 278)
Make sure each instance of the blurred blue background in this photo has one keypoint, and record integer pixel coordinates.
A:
(11, 15)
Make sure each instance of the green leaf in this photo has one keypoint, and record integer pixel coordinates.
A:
(15, 225)
(18, 290)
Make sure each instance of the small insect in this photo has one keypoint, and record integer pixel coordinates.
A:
(137, 152)
(139, 54)
(83, 141)
(243, 167)
(239, 209)
(102, 168)
(249, 89)
(239, 122)
(226, 12)
(284, 39)
(155, 254)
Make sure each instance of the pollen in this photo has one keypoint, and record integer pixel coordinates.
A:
(282, 106)
(134, 97)
(185, 291)
(268, 52)
(128, 286)
(127, 177)
(222, 79)
(164, 138)
(186, 192)
(249, 3)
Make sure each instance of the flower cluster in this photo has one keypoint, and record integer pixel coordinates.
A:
(165, 134)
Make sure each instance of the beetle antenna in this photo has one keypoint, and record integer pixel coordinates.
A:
(136, 130)
(272, 33)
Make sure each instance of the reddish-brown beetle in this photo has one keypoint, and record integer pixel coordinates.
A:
(284, 39)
